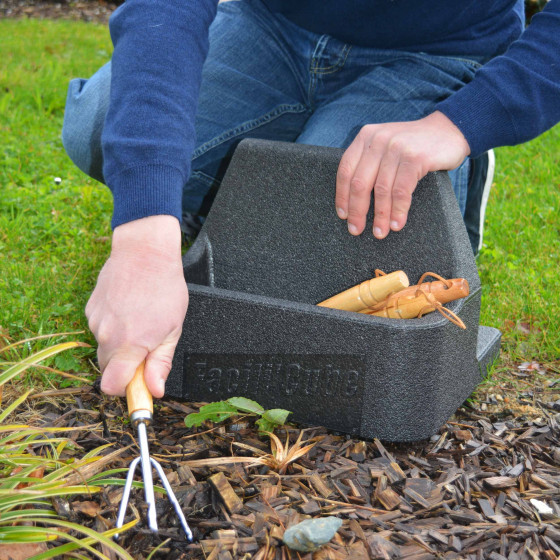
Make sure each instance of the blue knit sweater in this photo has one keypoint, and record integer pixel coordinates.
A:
(160, 46)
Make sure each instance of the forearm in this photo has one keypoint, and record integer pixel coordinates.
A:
(516, 96)
(149, 133)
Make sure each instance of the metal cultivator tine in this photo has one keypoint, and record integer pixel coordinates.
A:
(173, 499)
(140, 409)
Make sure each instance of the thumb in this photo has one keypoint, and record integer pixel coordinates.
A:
(158, 366)
(120, 370)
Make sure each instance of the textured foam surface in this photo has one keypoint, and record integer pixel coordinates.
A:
(270, 249)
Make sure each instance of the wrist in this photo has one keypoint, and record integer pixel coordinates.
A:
(443, 123)
(151, 236)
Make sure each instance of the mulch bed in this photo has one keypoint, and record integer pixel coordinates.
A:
(97, 11)
(466, 493)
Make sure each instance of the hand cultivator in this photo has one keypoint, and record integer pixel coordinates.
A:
(140, 410)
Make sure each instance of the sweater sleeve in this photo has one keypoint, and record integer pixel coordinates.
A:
(516, 96)
(149, 132)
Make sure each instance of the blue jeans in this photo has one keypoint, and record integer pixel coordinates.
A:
(268, 78)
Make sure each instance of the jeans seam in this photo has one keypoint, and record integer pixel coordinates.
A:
(473, 63)
(248, 126)
(335, 67)
(208, 179)
(319, 48)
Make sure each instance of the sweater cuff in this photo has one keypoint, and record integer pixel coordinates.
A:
(146, 190)
(480, 116)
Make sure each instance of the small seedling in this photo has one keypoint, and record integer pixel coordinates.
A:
(235, 406)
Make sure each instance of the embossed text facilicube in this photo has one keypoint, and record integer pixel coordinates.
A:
(276, 376)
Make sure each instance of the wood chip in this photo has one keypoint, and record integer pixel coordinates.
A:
(89, 508)
(500, 482)
(389, 498)
(318, 484)
(231, 500)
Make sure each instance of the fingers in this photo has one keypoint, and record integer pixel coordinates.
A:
(379, 161)
(119, 369)
(383, 194)
(396, 181)
(361, 185)
(346, 169)
(158, 366)
(406, 179)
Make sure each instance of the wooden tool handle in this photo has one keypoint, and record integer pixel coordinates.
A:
(138, 396)
(406, 307)
(458, 288)
(368, 293)
(444, 292)
(409, 307)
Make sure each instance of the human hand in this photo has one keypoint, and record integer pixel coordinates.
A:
(390, 159)
(137, 309)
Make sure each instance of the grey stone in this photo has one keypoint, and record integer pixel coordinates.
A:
(311, 534)
(271, 248)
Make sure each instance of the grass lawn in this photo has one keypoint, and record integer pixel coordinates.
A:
(54, 238)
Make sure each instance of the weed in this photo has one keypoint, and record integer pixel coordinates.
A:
(222, 410)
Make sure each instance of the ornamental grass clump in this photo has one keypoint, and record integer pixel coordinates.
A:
(39, 465)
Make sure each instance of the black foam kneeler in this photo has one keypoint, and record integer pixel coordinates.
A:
(271, 248)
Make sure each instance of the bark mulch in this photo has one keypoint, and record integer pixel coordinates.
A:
(97, 11)
(469, 492)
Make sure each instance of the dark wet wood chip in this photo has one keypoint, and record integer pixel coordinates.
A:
(231, 500)
(486, 507)
(416, 497)
(437, 537)
(552, 533)
(388, 498)
(319, 485)
(465, 517)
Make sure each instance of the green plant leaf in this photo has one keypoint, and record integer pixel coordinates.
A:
(215, 412)
(66, 362)
(276, 416)
(272, 419)
(264, 425)
(246, 405)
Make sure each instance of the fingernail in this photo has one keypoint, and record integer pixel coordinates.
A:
(161, 385)
(377, 232)
(352, 229)
(341, 213)
(394, 224)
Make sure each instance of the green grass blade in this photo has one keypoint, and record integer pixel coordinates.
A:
(93, 537)
(22, 534)
(160, 545)
(5, 413)
(20, 367)
(34, 338)
(11, 516)
(12, 498)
